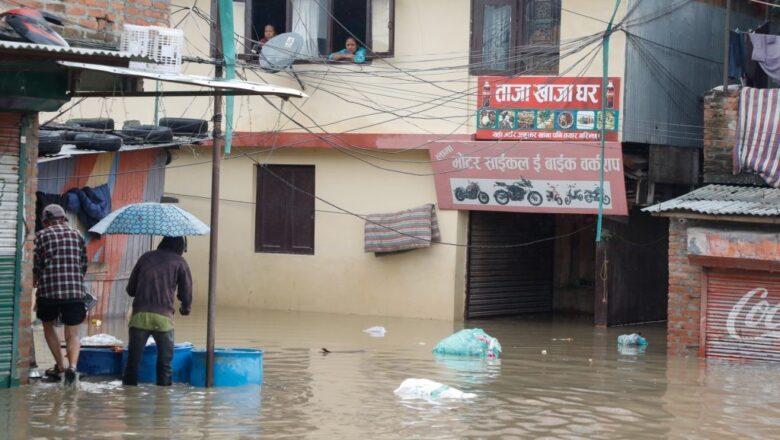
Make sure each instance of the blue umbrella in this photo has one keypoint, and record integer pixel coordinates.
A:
(151, 219)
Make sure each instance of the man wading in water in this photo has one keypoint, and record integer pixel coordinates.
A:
(153, 284)
(59, 265)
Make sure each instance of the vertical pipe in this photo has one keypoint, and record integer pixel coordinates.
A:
(215, 175)
(726, 30)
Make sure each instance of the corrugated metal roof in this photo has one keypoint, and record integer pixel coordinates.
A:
(15, 45)
(69, 150)
(725, 200)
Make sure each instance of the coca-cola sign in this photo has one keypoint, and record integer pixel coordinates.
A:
(754, 317)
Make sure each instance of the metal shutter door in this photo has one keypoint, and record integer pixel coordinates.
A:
(742, 311)
(509, 281)
(10, 124)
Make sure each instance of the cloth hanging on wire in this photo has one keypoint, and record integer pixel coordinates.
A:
(405, 230)
(90, 204)
(758, 147)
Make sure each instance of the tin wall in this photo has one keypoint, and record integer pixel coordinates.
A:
(672, 59)
(133, 176)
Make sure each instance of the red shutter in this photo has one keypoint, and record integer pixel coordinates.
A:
(743, 315)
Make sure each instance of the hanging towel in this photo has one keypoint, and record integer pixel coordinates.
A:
(403, 230)
(90, 204)
(758, 134)
(766, 51)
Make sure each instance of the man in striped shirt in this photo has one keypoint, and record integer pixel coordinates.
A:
(59, 265)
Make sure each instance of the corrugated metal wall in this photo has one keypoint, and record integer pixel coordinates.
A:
(509, 281)
(10, 126)
(136, 176)
(671, 60)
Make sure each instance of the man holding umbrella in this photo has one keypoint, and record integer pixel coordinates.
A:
(154, 283)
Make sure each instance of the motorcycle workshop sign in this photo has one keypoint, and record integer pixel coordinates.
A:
(528, 177)
(538, 108)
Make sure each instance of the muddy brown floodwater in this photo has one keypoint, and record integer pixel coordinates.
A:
(582, 388)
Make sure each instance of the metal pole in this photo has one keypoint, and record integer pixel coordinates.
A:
(215, 173)
(726, 30)
(604, 81)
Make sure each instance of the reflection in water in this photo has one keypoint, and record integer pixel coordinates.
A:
(558, 378)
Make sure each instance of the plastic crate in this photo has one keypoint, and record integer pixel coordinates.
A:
(167, 48)
(163, 45)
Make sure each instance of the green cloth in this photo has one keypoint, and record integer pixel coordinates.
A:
(152, 322)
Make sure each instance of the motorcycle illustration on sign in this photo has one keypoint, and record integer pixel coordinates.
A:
(554, 194)
(517, 191)
(574, 193)
(471, 191)
(593, 196)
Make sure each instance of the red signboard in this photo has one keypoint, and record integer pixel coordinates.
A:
(528, 177)
(546, 108)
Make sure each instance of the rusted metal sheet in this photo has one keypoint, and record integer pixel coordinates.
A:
(509, 280)
(741, 320)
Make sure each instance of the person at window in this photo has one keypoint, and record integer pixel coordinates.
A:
(350, 52)
(154, 282)
(268, 32)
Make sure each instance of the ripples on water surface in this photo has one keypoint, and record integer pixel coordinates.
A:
(582, 388)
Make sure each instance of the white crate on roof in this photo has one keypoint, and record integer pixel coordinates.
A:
(163, 45)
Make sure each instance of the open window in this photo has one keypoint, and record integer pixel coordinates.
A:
(326, 24)
(515, 37)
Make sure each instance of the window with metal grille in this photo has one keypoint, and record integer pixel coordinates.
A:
(284, 214)
(515, 37)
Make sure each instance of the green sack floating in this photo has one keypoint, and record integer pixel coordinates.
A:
(469, 342)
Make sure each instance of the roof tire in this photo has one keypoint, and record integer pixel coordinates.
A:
(97, 141)
(106, 124)
(149, 134)
(50, 142)
(186, 126)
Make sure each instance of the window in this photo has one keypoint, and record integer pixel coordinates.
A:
(515, 37)
(326, 24)
(284, 214)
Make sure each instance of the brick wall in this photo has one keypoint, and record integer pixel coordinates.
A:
(99, 20)
(24, 342)
(720, 125)
(684, 293)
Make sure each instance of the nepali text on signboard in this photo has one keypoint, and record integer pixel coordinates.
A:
(546, 108)
(528, 177)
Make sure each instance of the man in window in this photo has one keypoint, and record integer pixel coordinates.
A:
(350, 52)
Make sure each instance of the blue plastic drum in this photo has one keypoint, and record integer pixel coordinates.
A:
(100, 361)
(232, 367)
(181, 364)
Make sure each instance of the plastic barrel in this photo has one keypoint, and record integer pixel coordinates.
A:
(100, 361)
(181, 363)
(232, 367)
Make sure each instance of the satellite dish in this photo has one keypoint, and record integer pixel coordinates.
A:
(280, 51)
(31, 25)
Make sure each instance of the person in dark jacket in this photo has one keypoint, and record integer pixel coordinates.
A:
(153, 283)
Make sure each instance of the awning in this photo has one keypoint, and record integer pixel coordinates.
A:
(228, 87)
(15, 50)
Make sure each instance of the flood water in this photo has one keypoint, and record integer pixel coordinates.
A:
(582, 388)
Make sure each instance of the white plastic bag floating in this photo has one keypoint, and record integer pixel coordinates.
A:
(632, 339)
(101, 339)
(469, 342)
(376, 332)
(428, 389)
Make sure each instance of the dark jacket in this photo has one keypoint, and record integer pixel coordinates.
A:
(154, 280)
(90, 204)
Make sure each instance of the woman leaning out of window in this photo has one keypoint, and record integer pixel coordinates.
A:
(350, 52)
